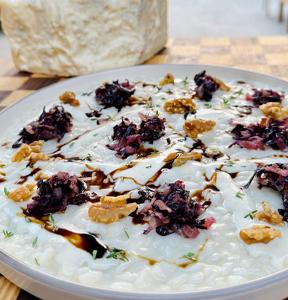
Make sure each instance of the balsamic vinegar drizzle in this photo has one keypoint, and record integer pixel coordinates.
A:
(24, 178)
(88, 242)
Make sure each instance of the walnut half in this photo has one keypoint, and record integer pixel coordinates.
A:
(197, 126)
(69, 98)
(268, 215)
(21, 193)
(31, 151)
(259, 234)
(111, 209)
(274, 110)
(169, 78)
(179, 106)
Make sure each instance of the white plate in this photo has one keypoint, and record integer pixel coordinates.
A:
(49, 287)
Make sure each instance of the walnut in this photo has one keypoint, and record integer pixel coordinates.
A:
(111, 209)
(268, 215)
(169, 78)
(274, 110)
(21, 193)
(40, 176)
(179, 106)
(23, 152)
(38, 156)
(183, 157)
(259, 234)
(222, 85)
(171, 156)
(196, 126)
(69, 98)
(31, 152)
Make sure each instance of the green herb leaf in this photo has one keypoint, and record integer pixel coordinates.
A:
(148, 166)
(6, 192)
(87, 93)
(117, 254)
(239, 195)
(2, 165)
(226, 103)
(7, 234)
(34, 243)
(185, 81)
(189, 256)
(208, 105)
(126, 233)
(36, 261)
(229, 163)
(94, 254)
(52, 220)
(251, 214)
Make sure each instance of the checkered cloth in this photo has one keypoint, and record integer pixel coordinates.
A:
(262, 54)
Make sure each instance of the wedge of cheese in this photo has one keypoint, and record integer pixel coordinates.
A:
(73, 37)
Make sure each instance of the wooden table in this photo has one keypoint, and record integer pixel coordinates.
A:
(262, 54)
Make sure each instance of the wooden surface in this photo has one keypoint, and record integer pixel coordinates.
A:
(262, 54)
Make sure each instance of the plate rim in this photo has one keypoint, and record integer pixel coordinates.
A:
(83, 290)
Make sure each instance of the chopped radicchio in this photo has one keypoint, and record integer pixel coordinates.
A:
(151, 128)
(206, 86)
(273, 133)
(263, 96)
(56, 193)
(114, 94)
(50, 125)
(129, 136)
(172, 210)
(275, 176)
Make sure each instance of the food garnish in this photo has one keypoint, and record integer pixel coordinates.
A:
(197, 126)
(7, 234)
(117, 254)
(168, 79)
(114, 94)
(259, 136)
(208, 85)
(274, 110)
(262, 96)
(172, 209)
(69, 97)
(32, 152)
(129, 136)
(259, 234)
(50, 125)
(111, 209)
(22, 193)
(180, 106)
(56, 193)
(268, 215)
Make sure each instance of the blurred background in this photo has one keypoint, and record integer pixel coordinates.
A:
(189, 19)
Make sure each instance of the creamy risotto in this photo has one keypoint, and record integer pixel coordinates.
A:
(176, 185)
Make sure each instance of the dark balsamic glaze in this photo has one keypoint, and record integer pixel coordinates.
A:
(24, 178)
(88, 242)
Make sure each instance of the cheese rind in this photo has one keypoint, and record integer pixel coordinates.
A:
(74, 37)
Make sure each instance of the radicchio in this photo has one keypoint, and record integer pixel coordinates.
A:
(129, 136)
(263, 96)
(206, 86)
(50, 125)
(56, 193)
(172, 210)
(272, 133)
(114, 94)
(275, 176)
